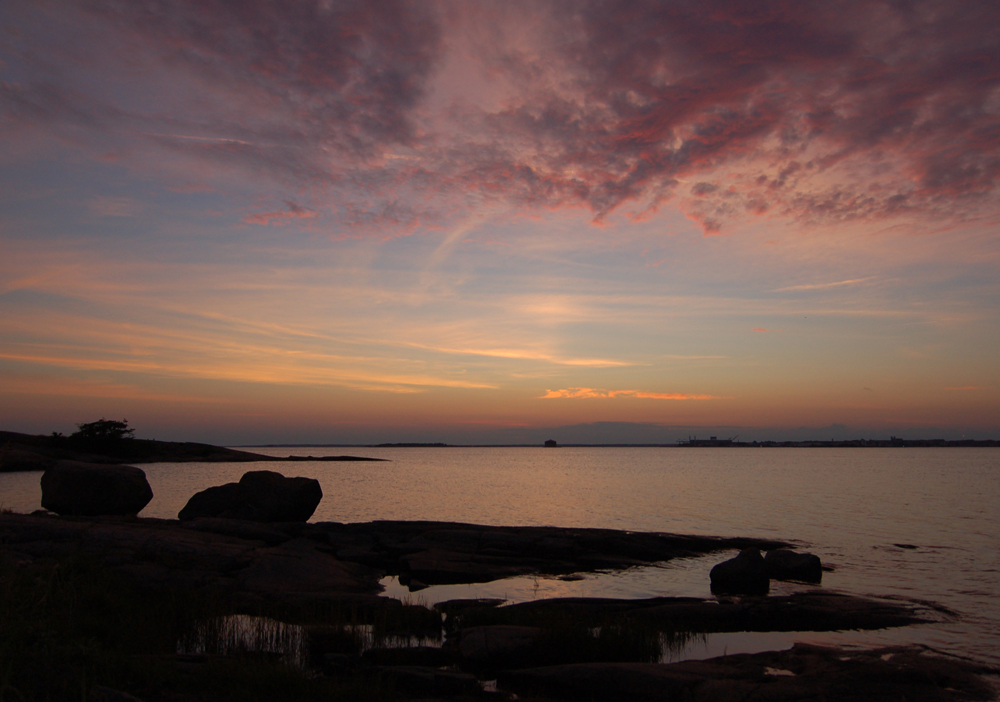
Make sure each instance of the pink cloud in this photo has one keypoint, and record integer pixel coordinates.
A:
(281, 217)
(820, 112)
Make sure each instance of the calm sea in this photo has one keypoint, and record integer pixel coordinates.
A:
(912, 523)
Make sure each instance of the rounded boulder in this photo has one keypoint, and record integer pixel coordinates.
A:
(260, 496)
(744, 575)
(784, 564)
(90, 490)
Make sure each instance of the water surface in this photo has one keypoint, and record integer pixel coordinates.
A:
(860, 510)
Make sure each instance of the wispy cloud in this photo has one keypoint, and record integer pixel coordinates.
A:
(800, 111)
(291, 212)
(825, 286)
(587, 393)
(528, 355)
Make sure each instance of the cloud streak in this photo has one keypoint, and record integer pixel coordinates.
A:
(825, 286)
(592, 393)
(292, 212)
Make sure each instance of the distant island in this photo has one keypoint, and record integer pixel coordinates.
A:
(27, 452)
(891, 442)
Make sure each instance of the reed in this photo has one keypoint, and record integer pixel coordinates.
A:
(68, 626)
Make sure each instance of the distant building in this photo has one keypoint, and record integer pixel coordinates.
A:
(551, 443)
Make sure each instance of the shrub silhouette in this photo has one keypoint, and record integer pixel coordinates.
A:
(104, 430)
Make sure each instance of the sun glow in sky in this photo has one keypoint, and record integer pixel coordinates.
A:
(397, 221)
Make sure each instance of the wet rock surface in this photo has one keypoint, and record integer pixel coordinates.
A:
(87, 489)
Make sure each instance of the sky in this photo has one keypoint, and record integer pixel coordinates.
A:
(476, 221)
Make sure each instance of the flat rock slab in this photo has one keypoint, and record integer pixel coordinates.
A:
(803, 611)
(804, 673)
(437, 553)
(166, 555)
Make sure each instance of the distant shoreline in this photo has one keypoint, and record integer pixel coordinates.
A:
(707, 443)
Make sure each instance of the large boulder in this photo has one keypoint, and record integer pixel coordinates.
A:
(783, 564)
(88, 489)
(744, 575)
(260, 496)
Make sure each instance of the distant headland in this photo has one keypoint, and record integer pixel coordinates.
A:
(27, 452)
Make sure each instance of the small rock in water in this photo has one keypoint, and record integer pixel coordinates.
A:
(744, 575)
(783, 564)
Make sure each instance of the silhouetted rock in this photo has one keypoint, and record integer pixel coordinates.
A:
(85, 489)
(211, 502)
(422, 681)
(297, 566)
(260, 496)
(430, 656)
(251, 531)
(804, 673)
(744, 575)
(813, 610)
(99, 693)
(783, 564)
(17, 459)
(499, 646)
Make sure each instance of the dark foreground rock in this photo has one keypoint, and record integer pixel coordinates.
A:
(437, 553)
(230, 554)
(260, 496)
(499, 646)
(784, 564)
(282, 566)
(514, 632)
(803, 673)
(548, 649)
(71, 488)
(744, 575)
(301, 566)
(424, 681)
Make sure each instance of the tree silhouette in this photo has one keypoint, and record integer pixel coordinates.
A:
(104, 429)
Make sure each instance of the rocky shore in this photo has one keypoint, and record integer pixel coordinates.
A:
(324, 578)
(242, 590)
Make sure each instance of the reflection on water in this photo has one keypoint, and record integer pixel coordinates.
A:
(246, 635)
(682, 577)
(242, 634)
